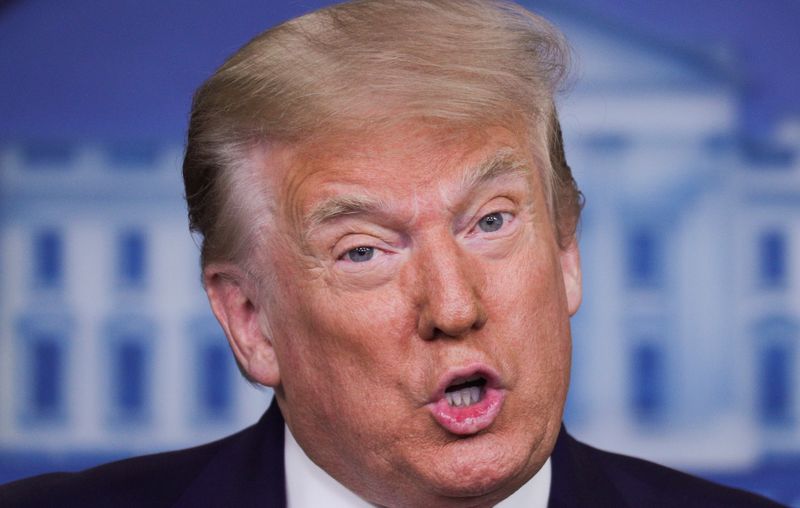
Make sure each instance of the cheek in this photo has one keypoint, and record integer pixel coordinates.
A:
(367, 324)
(527, 303)
(342, 341)
(528, 283)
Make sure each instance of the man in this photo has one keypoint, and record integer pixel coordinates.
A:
(388, 227)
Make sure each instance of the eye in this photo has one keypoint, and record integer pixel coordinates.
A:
(491, 222)
(360, 254)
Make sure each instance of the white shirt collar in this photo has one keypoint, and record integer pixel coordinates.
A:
(308, 485)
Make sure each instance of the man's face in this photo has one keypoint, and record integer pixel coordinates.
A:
(418, 306)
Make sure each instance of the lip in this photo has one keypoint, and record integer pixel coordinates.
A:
(468, 420)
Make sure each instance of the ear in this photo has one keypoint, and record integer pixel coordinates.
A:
(571, 272)
(233, 299)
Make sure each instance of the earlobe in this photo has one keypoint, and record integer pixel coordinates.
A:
(571, 273)
(234, 303)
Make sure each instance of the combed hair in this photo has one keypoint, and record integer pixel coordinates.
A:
(367, 64)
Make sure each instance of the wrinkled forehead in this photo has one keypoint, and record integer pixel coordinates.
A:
(318, 178)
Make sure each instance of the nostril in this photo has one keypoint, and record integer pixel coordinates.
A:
(450, 298)
(452, 324)
(444, 316)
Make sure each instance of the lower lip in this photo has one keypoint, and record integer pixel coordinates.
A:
(468, 420)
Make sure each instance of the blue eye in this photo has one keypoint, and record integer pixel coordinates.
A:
(360, 254)
(490, 223)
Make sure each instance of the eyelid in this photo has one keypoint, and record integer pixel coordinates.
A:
(341, 254)
(344, 254)
(344, 245)
(505, 209)
(376, 266)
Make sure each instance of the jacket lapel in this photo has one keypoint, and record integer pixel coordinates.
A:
(247, 470)
(578, 478)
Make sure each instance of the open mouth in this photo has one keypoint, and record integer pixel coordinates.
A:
(462, 393)
(468, 400)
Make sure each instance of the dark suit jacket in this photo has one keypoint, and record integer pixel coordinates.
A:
(246, 469)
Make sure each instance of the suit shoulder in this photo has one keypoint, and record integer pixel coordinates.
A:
(650, 484)
(149, 480)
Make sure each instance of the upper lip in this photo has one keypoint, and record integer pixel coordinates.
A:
(462, 374)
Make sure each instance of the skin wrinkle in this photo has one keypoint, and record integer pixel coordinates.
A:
(498, 165)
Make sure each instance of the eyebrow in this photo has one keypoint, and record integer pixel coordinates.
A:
(342, 205)
(502, 163)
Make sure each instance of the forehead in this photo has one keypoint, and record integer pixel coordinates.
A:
(396, 165)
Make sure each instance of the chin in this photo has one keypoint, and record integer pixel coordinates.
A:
(481, 466)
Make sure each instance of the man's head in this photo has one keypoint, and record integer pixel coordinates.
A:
(388, 225)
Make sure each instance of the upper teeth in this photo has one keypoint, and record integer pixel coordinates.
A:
(464, 396)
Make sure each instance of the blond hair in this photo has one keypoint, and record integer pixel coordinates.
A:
(366, 63)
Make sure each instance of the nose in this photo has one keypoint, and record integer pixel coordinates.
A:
(450, 296)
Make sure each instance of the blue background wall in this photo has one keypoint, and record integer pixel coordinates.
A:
(682, 128)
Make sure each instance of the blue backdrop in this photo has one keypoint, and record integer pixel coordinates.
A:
(682, 126)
